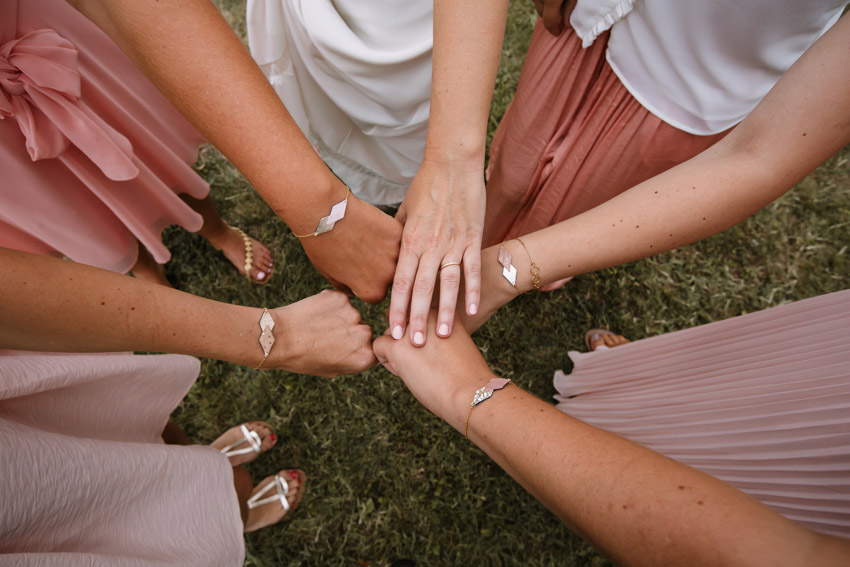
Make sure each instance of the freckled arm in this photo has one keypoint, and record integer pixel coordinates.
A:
(637, 506)
(801, 122)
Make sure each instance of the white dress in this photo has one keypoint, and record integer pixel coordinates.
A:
(356, 77)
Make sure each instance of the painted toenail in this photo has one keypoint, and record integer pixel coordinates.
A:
(293, 475)
(272, 437)
(261, 275)
(595, 336)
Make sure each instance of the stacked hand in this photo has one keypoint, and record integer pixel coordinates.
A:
(359, 255)
(443, 217)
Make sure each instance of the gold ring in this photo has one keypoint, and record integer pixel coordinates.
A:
(447, 264)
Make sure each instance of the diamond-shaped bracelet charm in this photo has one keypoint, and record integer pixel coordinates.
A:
(486, 391)
(509, 271)
(326, 224)
(266, 337)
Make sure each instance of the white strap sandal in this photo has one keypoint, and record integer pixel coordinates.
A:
(282, 487)
(252, 438)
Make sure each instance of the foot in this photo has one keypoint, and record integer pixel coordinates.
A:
(234, 435)
(272, 512)
(148, 270)
(232, 245)
(600, 338)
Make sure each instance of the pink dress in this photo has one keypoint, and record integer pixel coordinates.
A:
(93, 156)
(761, 401)
(85, 478)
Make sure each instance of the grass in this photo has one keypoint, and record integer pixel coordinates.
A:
(387, 479)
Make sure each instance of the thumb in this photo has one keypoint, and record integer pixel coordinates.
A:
(381, 347)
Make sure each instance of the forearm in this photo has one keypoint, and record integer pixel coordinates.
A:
(467, 44)
(190, 53)
(800, 123)
(53, 305)
(636, 505)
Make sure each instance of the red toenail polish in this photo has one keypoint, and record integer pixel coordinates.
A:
(293, 475)
(272, 437)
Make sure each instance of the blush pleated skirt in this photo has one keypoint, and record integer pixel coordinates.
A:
(760, 401)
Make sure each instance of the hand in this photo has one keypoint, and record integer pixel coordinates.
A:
(360, 253)
(443, 374)
(555, 13)
(443, 217)
(321, 335)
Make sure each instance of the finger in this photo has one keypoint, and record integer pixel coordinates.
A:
(420, 301)
(553, 16)
(538, 5)
(405, 272)
(472, 277)
(381, 347)
(339, 286)
(449, 286)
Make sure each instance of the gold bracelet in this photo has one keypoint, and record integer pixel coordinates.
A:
(266, 336)
(481, 394)
(535, 271)
(326, 224)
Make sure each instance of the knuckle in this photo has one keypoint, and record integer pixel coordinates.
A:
(402, 285)
(450, 280)
(473, 269)
(423, 286)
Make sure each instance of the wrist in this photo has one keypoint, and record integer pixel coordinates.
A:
(462, 395)
(462, 155)
(311, 203)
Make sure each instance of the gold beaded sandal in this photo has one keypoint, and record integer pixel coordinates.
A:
(249, 259)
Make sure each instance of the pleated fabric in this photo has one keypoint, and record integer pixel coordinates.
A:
(572, 138)
(93, 156)
(85, 478)
(761, 401)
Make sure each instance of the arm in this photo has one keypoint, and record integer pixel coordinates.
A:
(53, 305)
(801, 122)
(190, 53)
(637, 506)
(443, 212)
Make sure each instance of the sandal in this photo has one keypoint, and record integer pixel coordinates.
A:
(282, 489)
(249, 259)
(248, 448)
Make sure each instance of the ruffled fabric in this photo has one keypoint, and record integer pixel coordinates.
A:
(93, 156)
(590, 18)
(40, 89)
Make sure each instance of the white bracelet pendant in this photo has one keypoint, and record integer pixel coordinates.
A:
(508, 271)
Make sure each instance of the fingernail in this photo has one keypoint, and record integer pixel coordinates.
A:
(419, 338)
(473, 309)
(293, 475)
(397, 332)
(444, 330)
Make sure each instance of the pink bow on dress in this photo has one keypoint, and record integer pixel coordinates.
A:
(40, 88)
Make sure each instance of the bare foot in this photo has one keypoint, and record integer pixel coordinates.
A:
(241, 448)
(232, 245)
(147, 269)
(597, 338)
(265, 505)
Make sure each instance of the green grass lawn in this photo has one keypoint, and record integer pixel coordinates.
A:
(389, 480)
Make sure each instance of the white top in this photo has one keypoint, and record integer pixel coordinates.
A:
(703, 66)
(356, 77)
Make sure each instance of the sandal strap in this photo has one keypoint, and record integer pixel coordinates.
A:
(282, 491)
(249, 252)
(255, 444)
